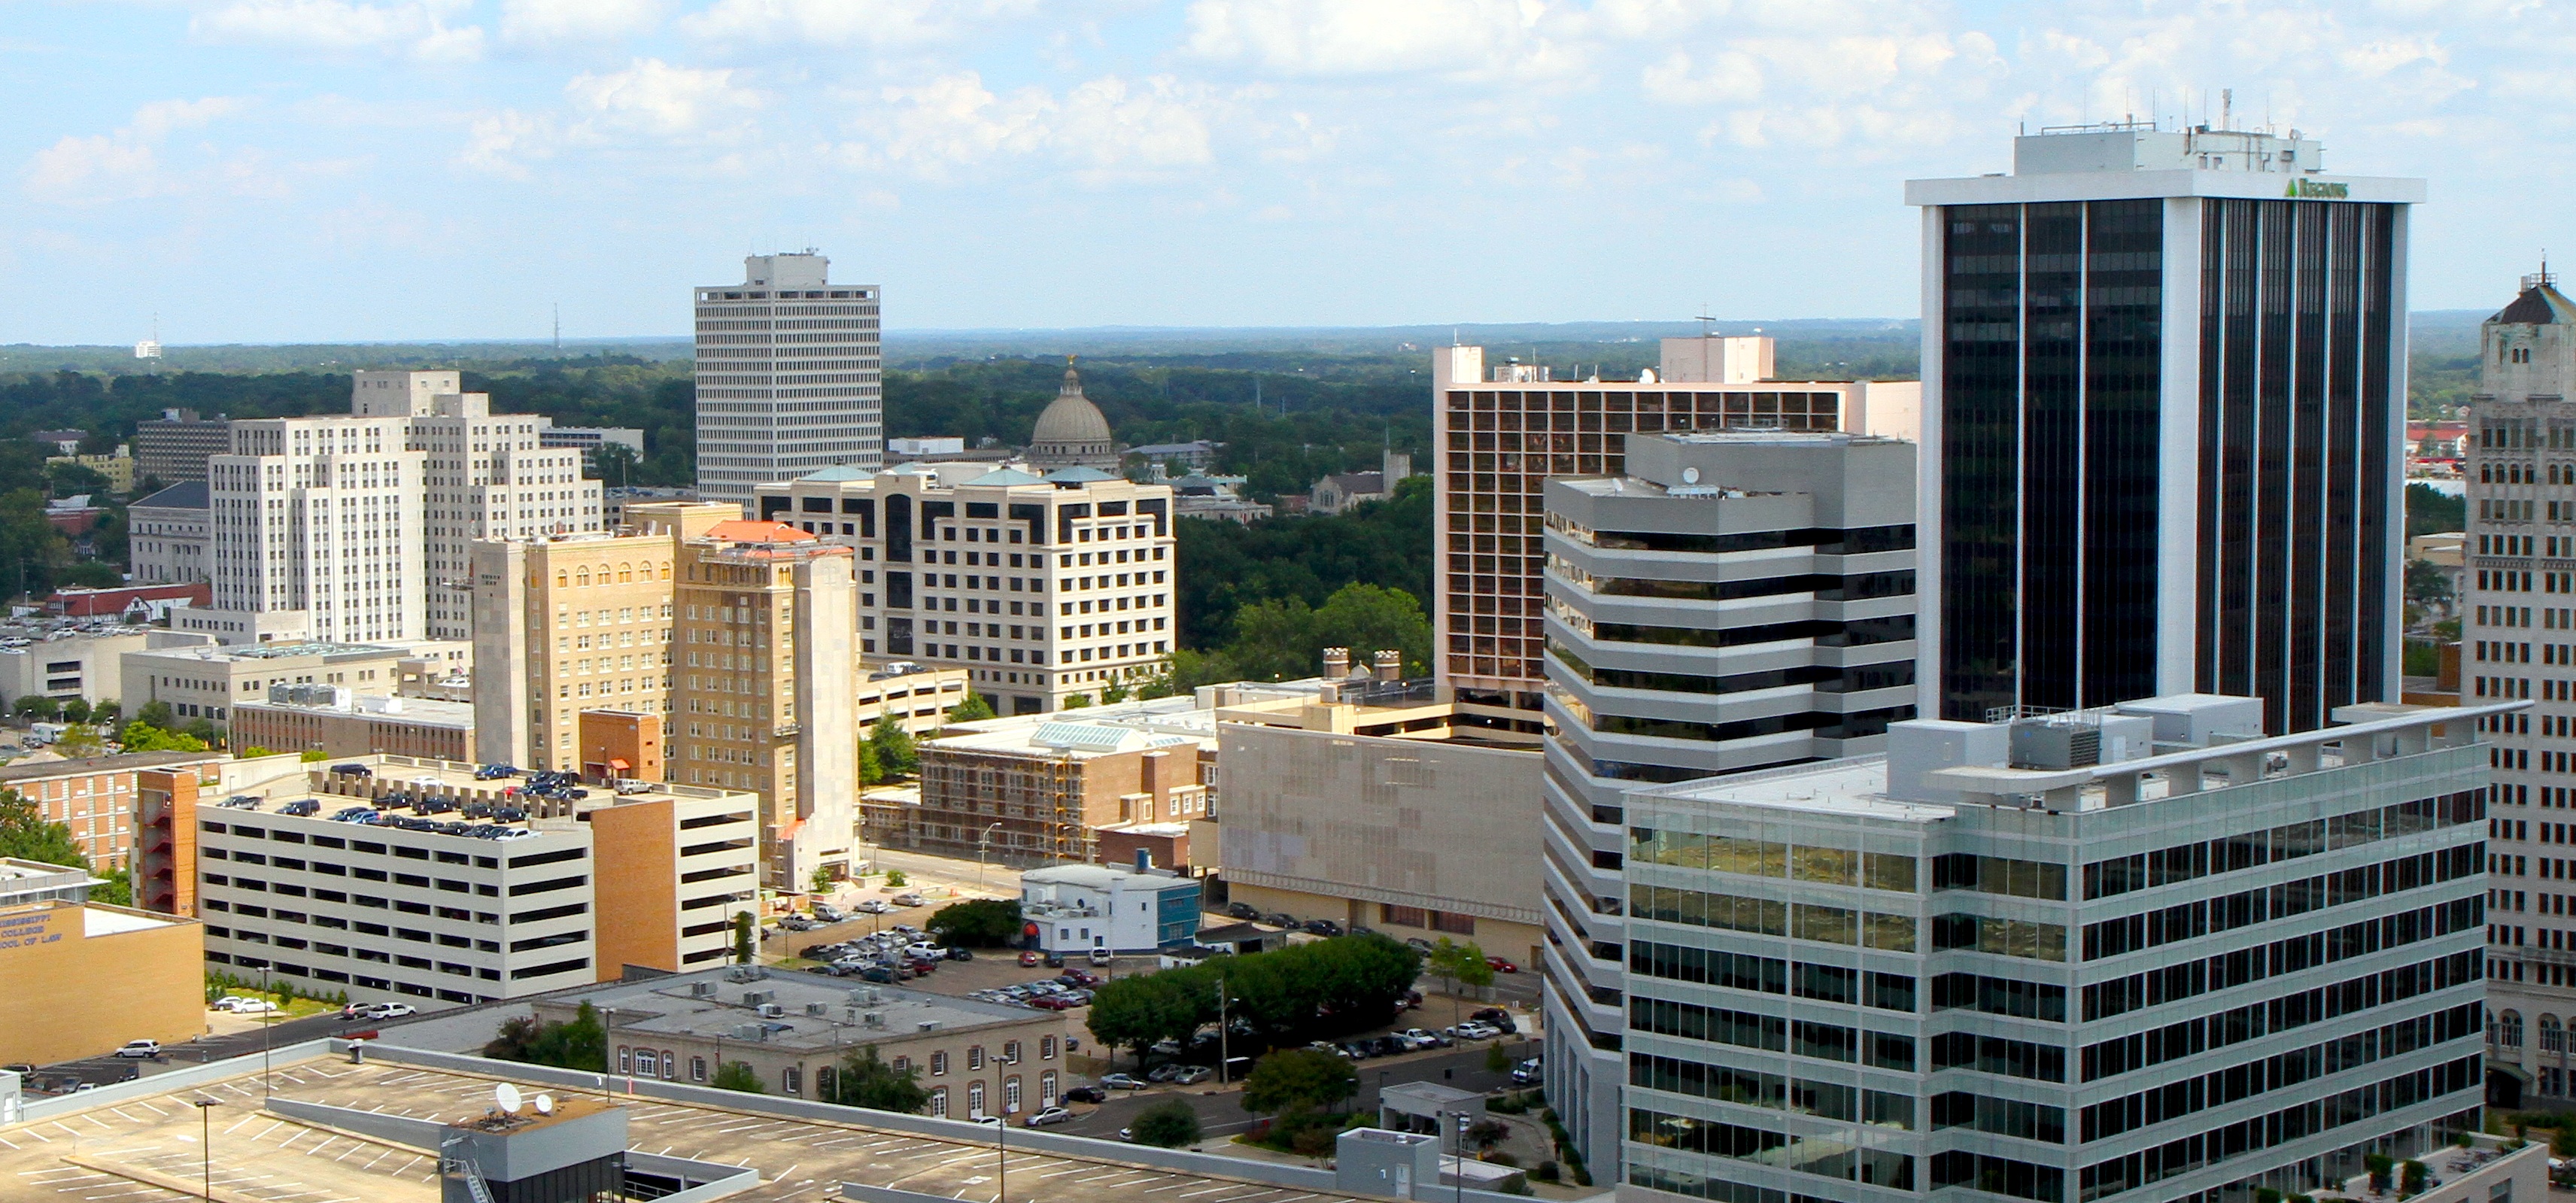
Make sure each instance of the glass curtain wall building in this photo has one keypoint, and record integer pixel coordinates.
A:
(2163, 375)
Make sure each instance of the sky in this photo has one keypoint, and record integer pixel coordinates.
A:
(355, 170)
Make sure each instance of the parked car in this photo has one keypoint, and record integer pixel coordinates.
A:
(1163, 1073)
(1242, 910)
(1029, 958)
(255, 1006)
(1417, 944)
(353, 770)
(1280, 919)
(1051, 1115)
(1052, 960)
(391, 1010)
(1528, 1071)
(140, 1048)
(961, 954)
(1086, 1094)
(875, 906)
(228, 1002)
(1100, 956)
(1192, 1075)
(1496, 1016)
(1323, 927)
(828, 913)
(907, 899)
(1474, 1030)
(1076, 977)
(1110, 1081)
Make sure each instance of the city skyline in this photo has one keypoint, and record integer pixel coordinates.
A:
(1225, 162)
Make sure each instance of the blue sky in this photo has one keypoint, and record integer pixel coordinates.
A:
(308, 170)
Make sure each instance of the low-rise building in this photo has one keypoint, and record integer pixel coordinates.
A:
(174, 446)
(94, 796)
(1043, 792)
(504, 895)
(1080, 909)
(207, 681)
(336, 721)
(116, 468)
(128, 603)
(1217, 497)
(79, 978)
(168, 535)
(69, 663)
(242, 626)
(795, 1031)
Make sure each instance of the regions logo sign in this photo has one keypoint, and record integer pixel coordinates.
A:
(2318, 190)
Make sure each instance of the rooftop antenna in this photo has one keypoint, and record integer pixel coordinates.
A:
(558, 329)
(2227, 108)
(1707, 322)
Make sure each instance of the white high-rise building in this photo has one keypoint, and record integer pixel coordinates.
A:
(323, 516)
(487, 476)
(367, 522)
(788, 376)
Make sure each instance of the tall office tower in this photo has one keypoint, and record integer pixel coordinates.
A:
(2132, 953)
(1504, 430)
(174, 446)
(761, 696)
(487, 476)
(2165, 376)
(1066, 587)
(788, 376)
(322, 516)
(1739, 600)
(573, 623)
(2518, 638)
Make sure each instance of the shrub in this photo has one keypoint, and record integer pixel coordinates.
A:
(1167, 1125)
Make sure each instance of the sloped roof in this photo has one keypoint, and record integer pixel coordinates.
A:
(1006, 476)
(185, 495)
(2539, 305)
(747, 530)
(1077, 475)
(835, 472)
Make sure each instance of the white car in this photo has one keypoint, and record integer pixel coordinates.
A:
(140, 1048)
(1473, 1030)
(876, 906)
(1052, 1115)
(229, 1002)
(391, 1010)
(254, 1006)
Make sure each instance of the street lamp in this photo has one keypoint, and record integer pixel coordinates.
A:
(206, 1143)
(1002, 1160)
(983, 843)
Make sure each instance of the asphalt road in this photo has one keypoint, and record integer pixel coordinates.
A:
(104, 1070)
(1221, 1112)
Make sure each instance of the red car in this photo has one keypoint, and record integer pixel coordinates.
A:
(1499, 965)
(1029, 959)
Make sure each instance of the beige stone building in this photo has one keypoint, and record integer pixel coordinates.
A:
(1043, 792)
(761, 696)
(573, 623)
(207, 681)
(94, 795)
(136, 976)
(796, 1030)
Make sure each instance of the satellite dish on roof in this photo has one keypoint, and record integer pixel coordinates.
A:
(545, 1104)
(507, 1096)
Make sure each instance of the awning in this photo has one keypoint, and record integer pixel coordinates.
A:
(617, 764)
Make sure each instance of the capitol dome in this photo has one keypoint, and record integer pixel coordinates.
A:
(1072, 432)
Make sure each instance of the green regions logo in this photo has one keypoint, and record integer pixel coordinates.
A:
(2318, 190)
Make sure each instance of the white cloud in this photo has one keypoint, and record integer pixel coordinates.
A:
(1108, 122)
(847, 22)
(124, 165)
(1374, 37)
(505, 142)
(418, 29)
(654, 97)
(551, 22)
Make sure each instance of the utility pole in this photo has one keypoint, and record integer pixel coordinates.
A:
(206, 1144)
(1222, 1060)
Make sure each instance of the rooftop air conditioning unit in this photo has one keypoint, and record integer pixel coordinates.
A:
(929, 1025)
(873, 1019)
(771, 1010)
(815, 1008)
(702, 989)
(753, 998)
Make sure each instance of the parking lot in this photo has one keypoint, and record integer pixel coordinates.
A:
(150, 1150)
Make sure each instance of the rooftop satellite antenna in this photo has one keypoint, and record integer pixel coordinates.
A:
(545, 1104)
(507, 1097)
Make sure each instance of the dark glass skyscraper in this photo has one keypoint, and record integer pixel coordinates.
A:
(2164, 376)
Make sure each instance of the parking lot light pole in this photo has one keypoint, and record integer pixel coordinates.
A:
(206, 1144)
(983, 844)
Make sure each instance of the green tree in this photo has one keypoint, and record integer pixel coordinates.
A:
(116, 888)
(1458, 965)
(80, 740)
(252, 751)
(822, 883)
(1135, 1011)
(738, 1076)
(1283, 637)
(314, 756)
(1077, 701)
(977, 923)
(742, 946)
(867, 1081)
(974, 709)
(1113, 693)
(141, 736)
(106, 712)
(893, 746)
(2431, 511)
(37, 707)
(158, 714)
(1169, 1125)
(578, 1043)
(615, 464)
(76, 710)
(1298, 1079)
(27, 835)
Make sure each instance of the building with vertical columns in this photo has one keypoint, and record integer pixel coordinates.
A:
(761, 697)
(574, 623)
(1039, 588)
(788, 375)
(324, 516)
(2518, 643)
(1503, 430)
(2164, 384)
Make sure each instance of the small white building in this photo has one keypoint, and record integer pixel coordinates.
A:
(1079, 908)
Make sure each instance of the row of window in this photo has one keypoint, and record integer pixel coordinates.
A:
(2201, 858)
(2226, 970)
(1771, 975)
(1772, 1033)
(2192, 920)
(2117, 1175)
(1779, 1092)
(2219, 1087)
(1835, 1155)
(1773, 917)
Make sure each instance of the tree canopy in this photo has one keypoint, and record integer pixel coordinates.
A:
(977, 923)
(578, 1043)
(1285, 996)
(1294, 1079)
(865, 1080)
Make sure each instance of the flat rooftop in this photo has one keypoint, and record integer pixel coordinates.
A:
(671, 1005)
(273, 651)
(146, 1149)
(416, 779)
(427, 712)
